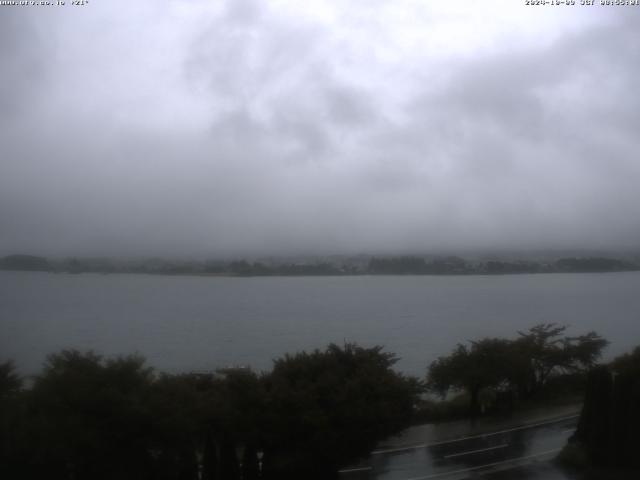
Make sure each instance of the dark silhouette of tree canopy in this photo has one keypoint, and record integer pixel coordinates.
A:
(484, 364)
(542, 351)
(328, 407)
(10, 381)
(608, 428)
(523, 365)
(10, 428)
(87, 417)
(627, 364)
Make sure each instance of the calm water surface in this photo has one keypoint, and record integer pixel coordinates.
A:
(200, 323)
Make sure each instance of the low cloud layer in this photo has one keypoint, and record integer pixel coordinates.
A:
(221, 128)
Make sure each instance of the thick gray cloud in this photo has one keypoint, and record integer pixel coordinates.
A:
(215, 128)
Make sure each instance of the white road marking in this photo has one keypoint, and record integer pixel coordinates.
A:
(360, 469)
(476, 451)
(480, 467)
(400, 449)
(445, 442)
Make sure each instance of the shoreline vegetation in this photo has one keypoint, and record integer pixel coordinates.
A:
(329, 266)
(86, 416)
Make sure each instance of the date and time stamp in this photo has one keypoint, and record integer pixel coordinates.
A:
(44, 3)
(583, 3)
(563, 3)
(83, 3)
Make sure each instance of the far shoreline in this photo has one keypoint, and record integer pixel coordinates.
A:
(331, 275)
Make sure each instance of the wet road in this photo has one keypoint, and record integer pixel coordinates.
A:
(524, 450)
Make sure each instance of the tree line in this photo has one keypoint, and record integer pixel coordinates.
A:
(606, 442)
(88, 417)
(513, 370)
(85, 416)
(395, 265)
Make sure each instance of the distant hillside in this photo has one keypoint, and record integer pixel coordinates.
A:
(24, 262)
(312, 266)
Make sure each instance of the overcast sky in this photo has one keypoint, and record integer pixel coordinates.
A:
(205, 128)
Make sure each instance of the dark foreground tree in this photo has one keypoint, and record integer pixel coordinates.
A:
(520, 367)
(326, 408)
(607, 433)
(484, 364)
(543, 352)
(10, 381)
(627, 364)
(10, 413)
(180, 411)
(87, 418)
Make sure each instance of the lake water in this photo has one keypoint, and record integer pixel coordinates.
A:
(201, 323)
